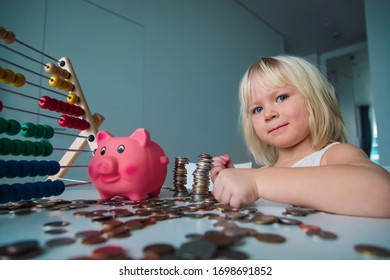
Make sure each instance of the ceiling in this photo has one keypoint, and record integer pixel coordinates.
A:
(312, 26)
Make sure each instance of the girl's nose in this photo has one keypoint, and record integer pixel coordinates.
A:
(270, 113)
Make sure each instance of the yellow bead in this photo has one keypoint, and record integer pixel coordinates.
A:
(69, 86)
(9, 76)
(20, 80)
(72, 98)
(55, 81)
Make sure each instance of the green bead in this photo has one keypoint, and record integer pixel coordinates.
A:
(40, 132)
(6, 146)
(13, 127)
(39, 149)
(19, 147)
(49, 132)
(3, 125)
(28, 130)
(29, 148)
(48, 149)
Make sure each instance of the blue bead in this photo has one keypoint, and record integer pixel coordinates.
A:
(24, 168)
(3, 165)
(45, 168)
(54, 167)
(21, 190)
(34, 168)
(12, 169)
(16, 194)
(6, 193)
(59, 187)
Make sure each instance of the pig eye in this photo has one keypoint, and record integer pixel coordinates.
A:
(121, 149)
(103, 151)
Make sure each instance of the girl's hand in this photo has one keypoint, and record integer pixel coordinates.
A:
(235, 186)
(220, 163)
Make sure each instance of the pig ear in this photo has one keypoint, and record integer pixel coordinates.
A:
(142, 136)
(102, 135)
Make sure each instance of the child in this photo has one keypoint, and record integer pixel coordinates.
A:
(290, 118)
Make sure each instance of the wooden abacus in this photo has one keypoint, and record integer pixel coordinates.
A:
(76, 115)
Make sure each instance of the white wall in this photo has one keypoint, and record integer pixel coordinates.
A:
(170, 66)
(378, 37)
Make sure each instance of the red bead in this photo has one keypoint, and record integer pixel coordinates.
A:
(45, 102)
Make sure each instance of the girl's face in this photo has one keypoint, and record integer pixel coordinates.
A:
(279, 116)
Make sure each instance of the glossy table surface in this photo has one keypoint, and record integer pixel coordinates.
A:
(347, 232)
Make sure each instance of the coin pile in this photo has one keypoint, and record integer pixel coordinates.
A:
(180, 177)
(200, 187)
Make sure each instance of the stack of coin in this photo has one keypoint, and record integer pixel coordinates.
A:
(180, 177)
(200, 187)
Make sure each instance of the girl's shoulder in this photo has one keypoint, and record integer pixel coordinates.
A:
(344, 153)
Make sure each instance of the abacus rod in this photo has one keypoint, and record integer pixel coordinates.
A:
(78, 184)
(71, 150)
(24, 68)
(56, 92)
(38, 51)
(29, 112)
(18, 93)
(69, 134)
(74, 166)
(26, 56)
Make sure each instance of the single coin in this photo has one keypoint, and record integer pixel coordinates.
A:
(264, 219)
(220, 240)
(270, 238)
(289, 221)
(322, 234)
(108, 252)
(158, 250)
(87, 233)
(93, 239)
(309, 227)
(60, 241)
(372, 250)
(230, 254)
(56, 224)
(55, 231)
(197, 250)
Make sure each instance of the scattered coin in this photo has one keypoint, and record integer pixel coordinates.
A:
(158, 250)
(59, 242)
(322, 234)
(270, 238)
(372, 250)
(197, 250)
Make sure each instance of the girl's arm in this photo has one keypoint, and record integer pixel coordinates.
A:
(346, 183)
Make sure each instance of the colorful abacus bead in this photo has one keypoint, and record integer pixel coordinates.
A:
(72, 98)
(6, 146)
(19, 147)
(45, 102)
(20, 80)
(3, 125)
(8, 76)
(28, 130)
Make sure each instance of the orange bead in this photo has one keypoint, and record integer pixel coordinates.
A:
(1, 71)
(69, 86)
(8, 76)
(72, 98)
(10, 38)
(20, 80)
(51, 68)
(3, 33)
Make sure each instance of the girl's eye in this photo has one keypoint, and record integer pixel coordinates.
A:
(103, 151)
(281, 98)
(257, 110)
(121, 149)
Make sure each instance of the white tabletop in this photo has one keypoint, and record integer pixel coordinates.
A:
(350, 231)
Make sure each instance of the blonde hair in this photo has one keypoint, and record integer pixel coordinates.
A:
(325, 120)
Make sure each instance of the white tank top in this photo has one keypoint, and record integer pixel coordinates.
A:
(313, 159)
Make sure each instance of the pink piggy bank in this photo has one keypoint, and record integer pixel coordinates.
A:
(132, 166)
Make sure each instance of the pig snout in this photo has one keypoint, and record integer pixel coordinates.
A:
(107, 166)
